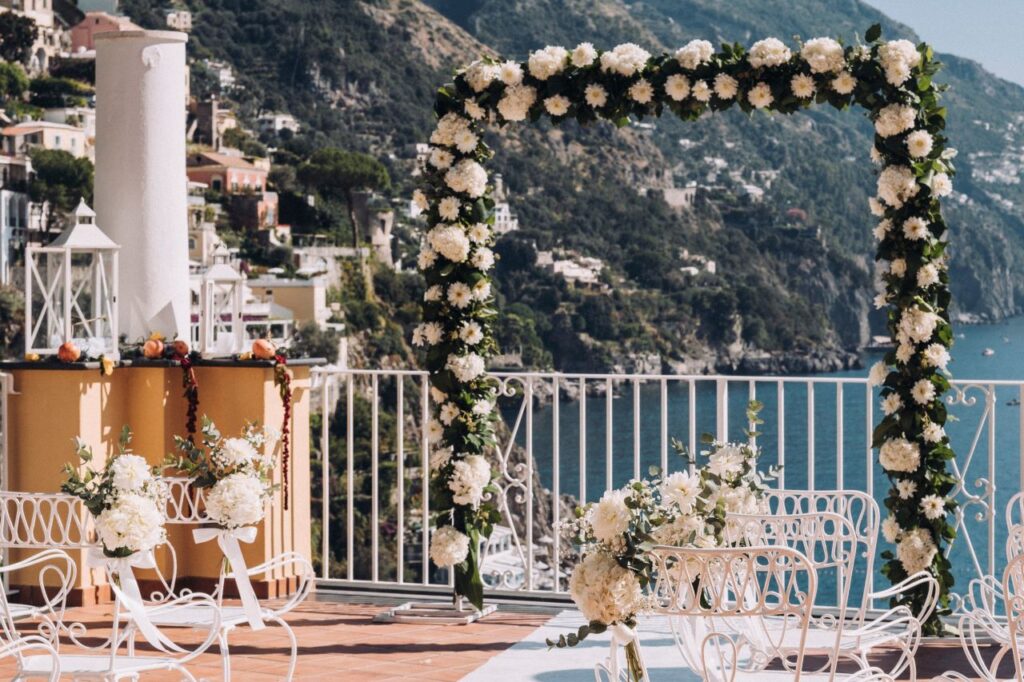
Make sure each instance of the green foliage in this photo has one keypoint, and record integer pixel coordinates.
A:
(310, 341)
(337, 174)
(12, 322)
(17, 34)
(48, 92)
(13, 80)
(236, 138)
(61, 179)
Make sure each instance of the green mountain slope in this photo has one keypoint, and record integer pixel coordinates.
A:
(793, 274)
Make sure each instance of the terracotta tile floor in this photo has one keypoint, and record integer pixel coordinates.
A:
(339, 641)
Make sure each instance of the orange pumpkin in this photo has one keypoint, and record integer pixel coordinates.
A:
(263, 349)
(153, 349)
(180, 348)
(68, 352)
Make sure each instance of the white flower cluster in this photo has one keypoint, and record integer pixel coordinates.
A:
(237, 500)
(768, 52)
(897, 184)
(823, 55)
(550, 61)
(235, 452)
(916, 550)
(898, 58)
(694, 54)
(603, 590)
(515, 104)
(130, 473)
(626, 59)
(448, 546)
(449, 241)
(894, 119)
(469, 478)
(900, 455)
(610, 518)
(134, 522)
(466, 368)
(467, 177)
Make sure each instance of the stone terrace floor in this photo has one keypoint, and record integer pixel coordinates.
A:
(338, 640)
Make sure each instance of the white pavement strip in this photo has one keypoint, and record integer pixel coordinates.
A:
(530, 660)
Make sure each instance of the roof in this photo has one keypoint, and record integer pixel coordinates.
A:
(201, 159)
(26, 127)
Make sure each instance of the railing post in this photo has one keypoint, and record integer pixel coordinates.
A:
(722, 409)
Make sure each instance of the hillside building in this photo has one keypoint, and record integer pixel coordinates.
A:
(227, 173)
(23, 137)
(83, 34)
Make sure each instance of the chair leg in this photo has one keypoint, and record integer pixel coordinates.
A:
(295, 646)
(225, 655)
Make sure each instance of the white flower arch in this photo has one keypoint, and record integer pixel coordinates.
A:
(891, 80)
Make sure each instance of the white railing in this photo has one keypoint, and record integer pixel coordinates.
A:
(818, 428)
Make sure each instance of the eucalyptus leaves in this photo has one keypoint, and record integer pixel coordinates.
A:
(891, 80)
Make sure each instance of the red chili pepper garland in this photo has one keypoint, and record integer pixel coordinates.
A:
(283, 381)
(191, 386)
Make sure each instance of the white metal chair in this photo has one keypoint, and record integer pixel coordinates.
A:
(710, 595)
(185, 507)
(981, 623)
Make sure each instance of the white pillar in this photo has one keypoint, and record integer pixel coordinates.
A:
(141, 186)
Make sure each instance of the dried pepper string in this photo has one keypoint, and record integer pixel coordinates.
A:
(283, 381)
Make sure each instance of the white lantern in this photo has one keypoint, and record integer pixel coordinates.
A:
(221, 326)
(71, 290)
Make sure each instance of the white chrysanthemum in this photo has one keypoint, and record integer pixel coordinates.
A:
(433, 294)
(906, 489)
(642, 91)
(595, 96)
(483, 407)
(915, 228)
(467, 177)
(896, 184)
(471, 333)
(923, 391)
(479, 233)
(448, 547)
(417, 335)
(898, 267)
(918, 325)
(891, 404)
(483, 259)
(466, 368)
(936, 355)
(515, 104)
(237, 500)
(603, 590)
(480, 75)
(432, 333)
(448, 208)
(694, 53)
(557, 105)
(898, 57)
(466, 141)
(434, 431)
(916, 550)
(677, 87)
(474, 110)
(236, 452)
(426, 258)
(448, 413)
(682, 489)
(920, 143)
(882, 229)
(460, 295)
(134, 522)
(823, 55)
(727, 461)
(626, 59)
(610, 517)
(894, 119)
(802, 86)
(482, 290)
(420, 199)
(701, 91)
(891, 530)
(130, 473)
(876, 207)
(844, 83)
(761, 95)
(510, 73)
(469, 478)
(441, 158)
(684, 530)
(447, 127)
(942, 186)
(583, 55)
(927, 275)
(450, 241)
(933, 433)
(439, 458)
(550, 61)
(899, 455)
(933, 507)
(726, 87)
(877, 375)
(904, 352)
(768, 52)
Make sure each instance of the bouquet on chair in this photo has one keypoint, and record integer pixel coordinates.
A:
(125, 497)
(235, 473)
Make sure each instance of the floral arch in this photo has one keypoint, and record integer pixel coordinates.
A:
(891, 80)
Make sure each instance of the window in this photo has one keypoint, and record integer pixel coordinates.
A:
(191, 243)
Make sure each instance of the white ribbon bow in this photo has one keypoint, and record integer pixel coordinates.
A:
(129, 594)
(228, 541)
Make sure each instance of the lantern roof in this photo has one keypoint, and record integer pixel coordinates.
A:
(222, 272)
(84, 235)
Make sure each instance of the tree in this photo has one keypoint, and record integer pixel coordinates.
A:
(13, 81)
(338, 174)
(61, 180)
(17, 35)
(48, 92)
(310, 341)
(12, 321)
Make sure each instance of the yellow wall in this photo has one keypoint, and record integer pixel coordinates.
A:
(51, 407)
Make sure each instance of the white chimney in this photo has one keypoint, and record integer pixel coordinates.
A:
(141, 186)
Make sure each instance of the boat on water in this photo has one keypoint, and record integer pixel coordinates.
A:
(1013, 402)
(987, 352)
